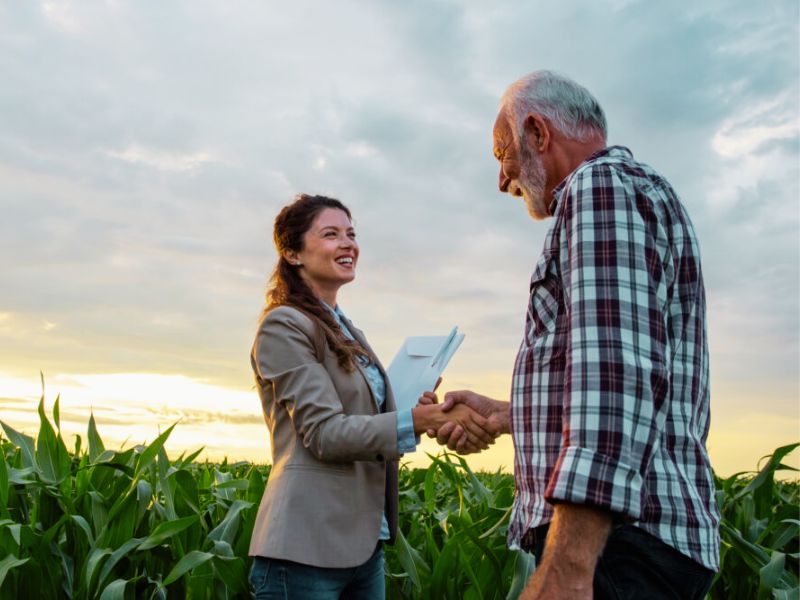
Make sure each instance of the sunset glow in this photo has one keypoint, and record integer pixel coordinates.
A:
(145, 149)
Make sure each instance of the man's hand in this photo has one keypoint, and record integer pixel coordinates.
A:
(454, 436)
(474, 429)
(575, 540)
(478, 434)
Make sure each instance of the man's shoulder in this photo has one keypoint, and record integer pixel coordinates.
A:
(613, 163)
(611, 157)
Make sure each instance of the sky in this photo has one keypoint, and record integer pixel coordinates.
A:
(145, 148)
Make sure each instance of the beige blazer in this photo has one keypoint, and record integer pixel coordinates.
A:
(334, 454)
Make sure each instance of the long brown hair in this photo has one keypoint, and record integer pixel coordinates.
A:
(286, 286)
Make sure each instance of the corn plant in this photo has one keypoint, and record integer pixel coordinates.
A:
(97, 523)
(452, 535)
(92, 523)
(760, 530)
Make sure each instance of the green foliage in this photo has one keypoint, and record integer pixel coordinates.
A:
(92, 523)
(452, 539)
(760, 532)
(97, 523)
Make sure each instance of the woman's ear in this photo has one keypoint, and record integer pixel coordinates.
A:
(290, 256)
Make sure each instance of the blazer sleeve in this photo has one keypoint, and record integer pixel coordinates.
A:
(284, 357)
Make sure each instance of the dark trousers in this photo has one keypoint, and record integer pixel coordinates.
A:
(636, 565)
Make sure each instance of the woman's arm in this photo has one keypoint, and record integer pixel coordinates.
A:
(285, 357)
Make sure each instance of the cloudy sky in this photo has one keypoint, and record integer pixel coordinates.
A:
(145, 148)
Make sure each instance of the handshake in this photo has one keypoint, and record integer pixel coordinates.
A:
(465, 422)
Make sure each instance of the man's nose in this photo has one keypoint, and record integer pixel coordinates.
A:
(503, 181)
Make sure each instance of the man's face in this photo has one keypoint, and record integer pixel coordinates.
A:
(522, 173)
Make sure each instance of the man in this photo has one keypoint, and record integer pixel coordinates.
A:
(609, 406)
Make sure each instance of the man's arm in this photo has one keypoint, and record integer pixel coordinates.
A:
(575, 540)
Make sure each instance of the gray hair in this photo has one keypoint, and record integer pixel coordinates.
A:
(568, 107)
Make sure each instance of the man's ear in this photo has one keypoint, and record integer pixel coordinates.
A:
(537, 133)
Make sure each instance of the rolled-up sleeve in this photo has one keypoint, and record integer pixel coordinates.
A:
(616, 377)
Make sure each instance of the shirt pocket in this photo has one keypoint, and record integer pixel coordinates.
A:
(545, 300)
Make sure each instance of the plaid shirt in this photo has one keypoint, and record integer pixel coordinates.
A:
(610, 399)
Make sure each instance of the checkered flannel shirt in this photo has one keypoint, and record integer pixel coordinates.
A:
(610, 399)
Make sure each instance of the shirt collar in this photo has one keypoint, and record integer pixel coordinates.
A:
(337, 312)
(609, 151)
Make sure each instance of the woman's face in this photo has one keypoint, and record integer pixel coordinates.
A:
(330, 251)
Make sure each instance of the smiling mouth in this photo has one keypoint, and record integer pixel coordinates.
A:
(345, 260)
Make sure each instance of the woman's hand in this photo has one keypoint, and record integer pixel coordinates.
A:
(477, 433)
(428, 398)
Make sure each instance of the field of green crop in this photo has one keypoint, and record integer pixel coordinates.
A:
(88, 522)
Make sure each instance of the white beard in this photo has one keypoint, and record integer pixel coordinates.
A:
(531, 182)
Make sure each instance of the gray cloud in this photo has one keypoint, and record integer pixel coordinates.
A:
(145, 149)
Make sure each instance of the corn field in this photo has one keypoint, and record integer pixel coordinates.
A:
(88, 522)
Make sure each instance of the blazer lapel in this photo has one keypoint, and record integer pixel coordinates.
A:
(389, 405)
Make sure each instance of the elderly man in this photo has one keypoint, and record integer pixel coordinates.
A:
(609, 407)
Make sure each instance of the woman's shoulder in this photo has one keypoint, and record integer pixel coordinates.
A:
(287, 315)
(285, 326)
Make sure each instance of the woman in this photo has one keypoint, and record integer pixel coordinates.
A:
(331, 497)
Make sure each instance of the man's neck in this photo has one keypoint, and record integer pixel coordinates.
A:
(566, 156)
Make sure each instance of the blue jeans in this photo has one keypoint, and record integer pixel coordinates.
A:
(276, 579)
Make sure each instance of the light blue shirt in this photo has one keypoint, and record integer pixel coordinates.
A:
(406, 440)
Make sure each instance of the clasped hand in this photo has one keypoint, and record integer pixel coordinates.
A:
(468, 422)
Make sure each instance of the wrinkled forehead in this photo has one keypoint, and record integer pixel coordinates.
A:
(502, 133)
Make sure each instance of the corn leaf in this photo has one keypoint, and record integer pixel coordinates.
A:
(404, 554)
(24, 443)
(114, 590)
(165, 531)
(146, 457)
(3, 486)
(770, 574)
(226, 530)
(192, 560)
(524, 566)
(114, 559)
(231, 571)
(96, 446)
(9, 563)
(51, 454)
